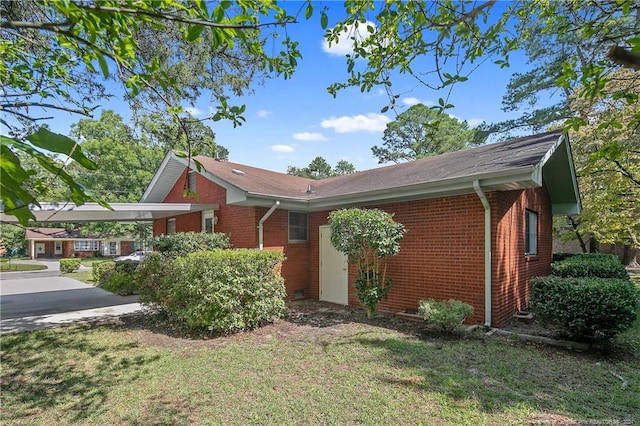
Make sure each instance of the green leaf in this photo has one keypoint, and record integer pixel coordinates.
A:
(103, 66)
(194, 32)
(61, 144)
(309, 11)
(324, 20)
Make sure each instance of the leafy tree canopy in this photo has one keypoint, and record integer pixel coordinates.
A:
(440, 43)
(162, 53)
(320, 169)
(608, 167)
(421, 132)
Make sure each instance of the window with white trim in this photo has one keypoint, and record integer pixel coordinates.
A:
(298, 227)
(171, 226)
(192, 182)
(86, 245)
(207, 222)
(531, 233)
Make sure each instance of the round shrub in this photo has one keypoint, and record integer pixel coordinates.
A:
(447, 314)
(69, 265)
(221, 291)
(590, 265)
(183, 243)
(585, 308)
(102, 271)
(119, 282)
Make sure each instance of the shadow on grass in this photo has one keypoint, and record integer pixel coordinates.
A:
(53, 369)
(501, 376)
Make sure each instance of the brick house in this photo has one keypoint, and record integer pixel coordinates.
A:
(478, 221)
(61, 243)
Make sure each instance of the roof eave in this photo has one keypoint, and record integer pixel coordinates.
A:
(519, 178)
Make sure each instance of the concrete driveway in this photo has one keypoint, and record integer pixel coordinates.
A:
(38, 300)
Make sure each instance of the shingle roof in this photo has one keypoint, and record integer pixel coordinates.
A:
(255, 180)
(52, 233)
(514, 164)
(525, 152)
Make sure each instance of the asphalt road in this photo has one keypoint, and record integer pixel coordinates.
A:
(30, 300)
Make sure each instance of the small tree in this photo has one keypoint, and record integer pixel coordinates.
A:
(367, 237)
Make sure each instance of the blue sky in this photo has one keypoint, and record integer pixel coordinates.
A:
(290, 122)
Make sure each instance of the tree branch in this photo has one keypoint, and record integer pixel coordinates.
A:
(175, 18)
(10, 105)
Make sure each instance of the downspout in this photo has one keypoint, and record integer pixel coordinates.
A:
(261, 224)
(487, 252)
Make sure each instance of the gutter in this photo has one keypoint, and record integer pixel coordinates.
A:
(487, 252)
(261, 224)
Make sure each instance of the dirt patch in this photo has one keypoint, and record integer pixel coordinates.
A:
(312, 319)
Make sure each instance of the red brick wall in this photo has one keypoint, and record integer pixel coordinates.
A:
(442, 253)
(511, 269)
(67, 249)
(126, 247)
(295, 269)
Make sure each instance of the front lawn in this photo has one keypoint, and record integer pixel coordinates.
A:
(317, 367)
(9, 266)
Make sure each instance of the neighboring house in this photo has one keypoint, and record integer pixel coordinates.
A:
(479, 221)
(117, 246)
(59, 242)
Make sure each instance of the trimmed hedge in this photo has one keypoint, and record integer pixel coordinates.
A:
(69, 265)
(585, 308)
(183, 243)
(590, 265)
(115, 277)
(559, 257)
(221, 291)
(120, 282)
(102, 271)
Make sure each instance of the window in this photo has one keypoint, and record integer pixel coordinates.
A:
(297, 226)
(192, 182)
(86, 245)
(207, 222)
(171, 226)
(531, 233)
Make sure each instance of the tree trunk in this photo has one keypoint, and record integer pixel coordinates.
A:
(630, 257)
(371, 312)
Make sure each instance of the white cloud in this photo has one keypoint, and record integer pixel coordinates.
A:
(472, 122)
(410, 101)
(358, 123)
(263, 113)
(282, 148)
(475, 122)
(344, 46)
(193, 111)
(306, 136)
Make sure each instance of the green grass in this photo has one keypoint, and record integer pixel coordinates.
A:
(84, 276)
(345, 373)
(7, 266)
(90, 261)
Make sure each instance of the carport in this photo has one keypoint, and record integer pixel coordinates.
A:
(121, 212)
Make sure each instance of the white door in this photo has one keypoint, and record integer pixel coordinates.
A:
(334, 271)
(39, 250)
(58, 247)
